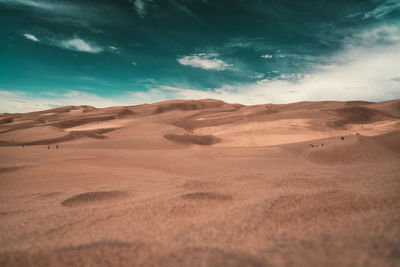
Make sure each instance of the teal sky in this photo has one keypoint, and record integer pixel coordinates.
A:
(124, 52)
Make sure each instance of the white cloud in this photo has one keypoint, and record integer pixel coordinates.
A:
(80, 45)
(72, 13)
(267, 56)
(258, 75)
(367, 69)
(140, 6)
(383, 9)
(204, 61)
(31, 37)
(367, 77)
(21, 102)
(76, 44)
(383, 35)
(29, 3)
(113, 49)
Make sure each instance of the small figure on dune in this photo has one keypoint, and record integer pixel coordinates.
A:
(23, 146)
(357, 133)
(311, 145)
(56, 146)
(48, 147)
(322, 144)
(342, 138)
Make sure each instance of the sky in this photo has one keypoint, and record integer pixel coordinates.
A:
(126, 52)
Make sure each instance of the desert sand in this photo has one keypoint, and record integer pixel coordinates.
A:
(202, 183)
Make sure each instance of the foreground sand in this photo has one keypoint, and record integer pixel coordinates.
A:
(202, 183)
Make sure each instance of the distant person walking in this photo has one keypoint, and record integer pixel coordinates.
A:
(48, 147)
(57, 146)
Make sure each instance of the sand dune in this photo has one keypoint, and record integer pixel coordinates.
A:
(204, 140)
(202, 183)
(231, 124)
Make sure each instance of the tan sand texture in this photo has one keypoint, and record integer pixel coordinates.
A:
(202, 183)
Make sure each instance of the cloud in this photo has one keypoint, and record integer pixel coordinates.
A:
(79, 45)
(33, 4)
(31, 37)
(383, 9)
(113, 49)
(16, 101)
(140, 6)
(258, 75)
(71, 13)
(75, 44)
(367, 69)
(382, 35)
(204, 61)
(266, 56)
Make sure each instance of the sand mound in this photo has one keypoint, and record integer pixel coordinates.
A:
(70, 136)
(125, 112)
(206, 196)
(32, 135)
(203, 140)
(64, 109)
(362, 150)
(87, 109)
(6, 120)
(330, 204)
(357, 103)
(393, 108)
(357, 115)
(47, 118)
(187, 105)
(390, 141)
(91, 197)
(81, 121)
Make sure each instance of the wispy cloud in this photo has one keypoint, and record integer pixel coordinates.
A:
(204, 61)
(17, 101)
(75, 44)
(79, 45)
(31, 37)
(383, 9)
(266, 56)
(258, 75)
(141, 6)
(113, 49)
(366, 69)
(44, 5)
(74, 13)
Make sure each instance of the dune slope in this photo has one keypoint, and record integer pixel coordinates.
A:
(202, 183)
